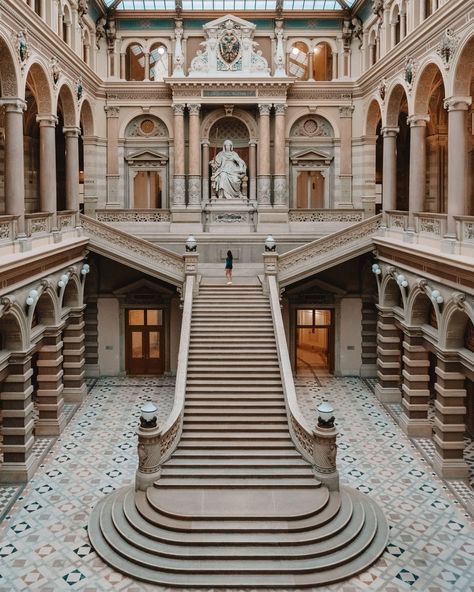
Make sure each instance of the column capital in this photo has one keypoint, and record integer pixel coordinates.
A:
(111, 112)
(13, 105)
(194, 108)
(264, 109)
(205, 142)
(72, 132)
(47, 120)
(280, 109)
(457, 103)
(178, 109)
(346, 111)
(390, 132)
(418, 120)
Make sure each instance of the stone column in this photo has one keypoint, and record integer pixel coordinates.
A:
(369, 338)
(147, 66)
(403, 25)
(253, 171)
(450, 420)
(51, 419)
(72, 168)
(113, 176)
(179, 180)
(74, 357)
(122, 66)
(417, 186)
(205, 171)
(345, 159)
(48, 164)
(280, 191)
(457, 170)
(389, 183)
(263, 180)
(17, 420)
(194, 178)
(416, 386)
(14, 163)
(388, 358)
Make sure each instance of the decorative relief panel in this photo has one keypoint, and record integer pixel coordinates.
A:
(324, 216)
(112, 216)
(312, 126)
(146, 126)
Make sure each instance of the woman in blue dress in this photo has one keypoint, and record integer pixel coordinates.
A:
(228, 267)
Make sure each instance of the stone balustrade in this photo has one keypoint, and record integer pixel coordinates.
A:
(8, 228)
(431, 224)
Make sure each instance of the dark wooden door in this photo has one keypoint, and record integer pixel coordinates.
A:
(144, 341)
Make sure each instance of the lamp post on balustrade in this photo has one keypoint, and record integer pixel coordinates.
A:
(148, 449)
(325, 447)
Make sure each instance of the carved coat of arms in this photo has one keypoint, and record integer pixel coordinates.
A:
(229, 46)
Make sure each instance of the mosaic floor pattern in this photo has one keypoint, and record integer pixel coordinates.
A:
(44, 545)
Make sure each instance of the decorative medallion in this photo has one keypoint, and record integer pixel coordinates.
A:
(147, 126)
(312, 126)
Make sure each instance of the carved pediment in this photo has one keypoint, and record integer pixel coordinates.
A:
(146, 158)
(144, 287)
(229, 48)
(311, 157)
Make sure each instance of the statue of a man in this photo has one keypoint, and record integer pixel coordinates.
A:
(228, 171)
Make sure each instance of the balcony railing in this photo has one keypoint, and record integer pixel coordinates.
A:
(8, 228)
(465, 229)
(38, 223)
(396, 219)
(132, 216)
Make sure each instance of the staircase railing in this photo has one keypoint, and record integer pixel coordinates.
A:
(137, 252)
(301, 433)
(338, 246)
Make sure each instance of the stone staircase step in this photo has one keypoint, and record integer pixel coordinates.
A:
(196, 418)
(237, 482)
(177, 461)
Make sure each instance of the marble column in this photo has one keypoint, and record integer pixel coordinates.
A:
(113, 177)
(417, 184)
(263, 172)
(389, 358)
(122, 66)
(147, 66)
(403, 25)
(389, 181)
(50, 401)
(416, 386)
(450, 420)
(252, 173)
(17, 420)
(194, 178)
(47, 163)
(205, 171)
(280, 191)
(14, 163)
(72, 168)
(74, 357)
(457, 169)
(345, 158)
(179, 178)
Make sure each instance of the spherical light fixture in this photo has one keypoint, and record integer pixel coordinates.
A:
(325, 415)
(191, 244)
(148, 415)
(270, 244)
(85, 269)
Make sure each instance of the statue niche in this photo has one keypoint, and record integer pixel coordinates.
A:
(228, 173)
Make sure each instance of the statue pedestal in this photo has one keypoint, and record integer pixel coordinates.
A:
(224, 215)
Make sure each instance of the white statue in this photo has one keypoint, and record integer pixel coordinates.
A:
(228, 172)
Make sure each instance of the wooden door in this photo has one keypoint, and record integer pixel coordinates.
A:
(144, 341)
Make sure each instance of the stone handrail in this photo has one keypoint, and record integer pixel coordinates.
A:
(170, 431)
(133, 216)
(307, 215)
(431, 223)
(135, 252)
(301, 433)
(321, 253)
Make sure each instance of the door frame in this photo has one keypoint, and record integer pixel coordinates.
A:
(163, 337)
(331, 334)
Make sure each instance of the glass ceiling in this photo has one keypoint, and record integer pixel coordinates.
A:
(189, 5)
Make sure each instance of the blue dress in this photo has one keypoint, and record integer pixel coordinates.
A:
(228, 262)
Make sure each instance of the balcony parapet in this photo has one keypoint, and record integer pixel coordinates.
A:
(396, 220)
(8, 228)
(465, 229)
(322, 215)
(130, 216)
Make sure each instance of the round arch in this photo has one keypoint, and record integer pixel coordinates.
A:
(240, 114)
(13, 329)
(65, 96)
(71, 296)
(86, 118)
(424, 85)
(40, 85)
(151, 115)
(9, 76)
(390, 294)
(461, 73)
(46, 308)
(395, 96)
(418, 307)
(455, 316)
(303, 111)
(373, 117)
(134, 41)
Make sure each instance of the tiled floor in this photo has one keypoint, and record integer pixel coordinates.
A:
(44, 544)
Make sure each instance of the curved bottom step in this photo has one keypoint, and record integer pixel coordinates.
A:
(350, 549)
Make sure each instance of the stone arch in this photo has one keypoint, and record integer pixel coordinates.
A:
(396, 94)
(13, 330)
(303, 111)
(132, 41)
(132, 127)
(86, 119)
(424, 86)
(71, 296)
(454, 320)
(418, 307)
(390, 294)
(65, 97)
(240, 114)
(462, 70)
(46, 308)
(319, 127)
(38, 80)
(373, 117)
(9, 75)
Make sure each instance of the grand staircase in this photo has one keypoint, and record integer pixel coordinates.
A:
(236, 505)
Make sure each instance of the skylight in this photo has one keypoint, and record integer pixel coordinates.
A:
(229, 5)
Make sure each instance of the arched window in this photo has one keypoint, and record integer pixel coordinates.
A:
(38, 7)
(66, 25)
(428, 8)
(135, 62)
(298, 61)
(372, 48)
(322, 62)
(158, 62)
(86, 46)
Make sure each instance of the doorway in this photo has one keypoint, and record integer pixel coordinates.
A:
(314, 341)
(147, 191)
(310, 190)
(144, 341)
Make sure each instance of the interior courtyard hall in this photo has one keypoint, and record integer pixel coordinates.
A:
(306, 424)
